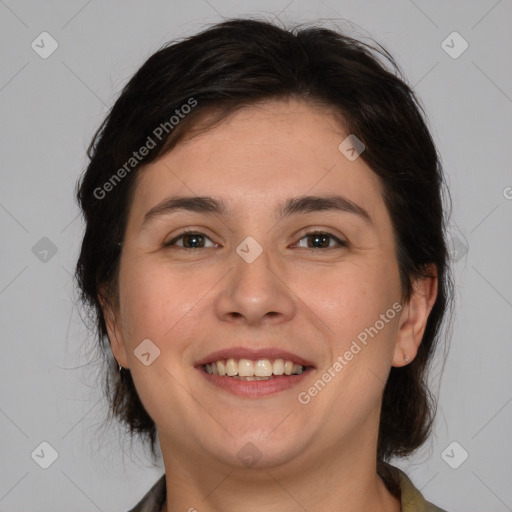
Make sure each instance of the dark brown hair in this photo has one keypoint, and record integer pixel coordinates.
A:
(237, 63)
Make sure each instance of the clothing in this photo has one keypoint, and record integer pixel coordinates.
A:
(411, 499)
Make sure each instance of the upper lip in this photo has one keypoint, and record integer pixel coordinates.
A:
(253, 354)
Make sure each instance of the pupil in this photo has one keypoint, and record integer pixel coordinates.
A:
(324, 243)
(194, 237)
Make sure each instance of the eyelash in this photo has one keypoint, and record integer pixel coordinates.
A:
(309, 233)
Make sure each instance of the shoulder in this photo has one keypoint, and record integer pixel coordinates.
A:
(154, 499)
(411, 498)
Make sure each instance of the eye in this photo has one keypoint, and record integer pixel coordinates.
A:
(320, 240)
(190, 240)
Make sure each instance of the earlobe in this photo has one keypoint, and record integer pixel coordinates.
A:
(413, 319)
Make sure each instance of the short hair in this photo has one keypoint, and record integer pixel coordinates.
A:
(239, 63)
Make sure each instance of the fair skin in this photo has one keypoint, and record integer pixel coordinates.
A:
(298, 296)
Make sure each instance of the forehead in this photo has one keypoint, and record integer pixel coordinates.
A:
(258, 155)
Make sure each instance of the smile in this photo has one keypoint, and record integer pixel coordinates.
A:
(251, 373)
(247, 369)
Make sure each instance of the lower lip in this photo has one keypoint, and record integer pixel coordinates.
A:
(255, 388)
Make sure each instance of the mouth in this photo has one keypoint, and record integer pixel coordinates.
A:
(252, 373)
(249, 370)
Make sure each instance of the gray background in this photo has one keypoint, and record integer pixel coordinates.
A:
(49, 111)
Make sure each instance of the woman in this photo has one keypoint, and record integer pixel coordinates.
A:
(265, 251)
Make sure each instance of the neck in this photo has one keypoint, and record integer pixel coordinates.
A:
(346, 482)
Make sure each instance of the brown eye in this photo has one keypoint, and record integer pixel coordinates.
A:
(321, 240)
(190, 240)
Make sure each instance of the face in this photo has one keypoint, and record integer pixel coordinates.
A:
(262, 278)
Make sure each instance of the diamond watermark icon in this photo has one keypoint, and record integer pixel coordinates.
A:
(458, 249)
(454, 455)
(351, 147)
(44, 250)
(44, 455)
(146, 352)
(44, 45)
(249, 455)
(249, 249)
(454, 45)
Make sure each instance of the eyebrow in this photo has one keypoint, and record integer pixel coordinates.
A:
(294, 205)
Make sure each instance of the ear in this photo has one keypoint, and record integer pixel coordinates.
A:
(115, 337)
(414, 316)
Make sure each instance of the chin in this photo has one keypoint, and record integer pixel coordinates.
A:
(259, 449)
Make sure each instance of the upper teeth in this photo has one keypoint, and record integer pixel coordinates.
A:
(247, 368)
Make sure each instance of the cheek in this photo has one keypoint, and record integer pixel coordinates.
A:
(158, 307)
(150, 303)
(357, 306)
(161, 304)
(349, 299)
(141, 307)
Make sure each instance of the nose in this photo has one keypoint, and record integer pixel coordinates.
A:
(255, 292)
